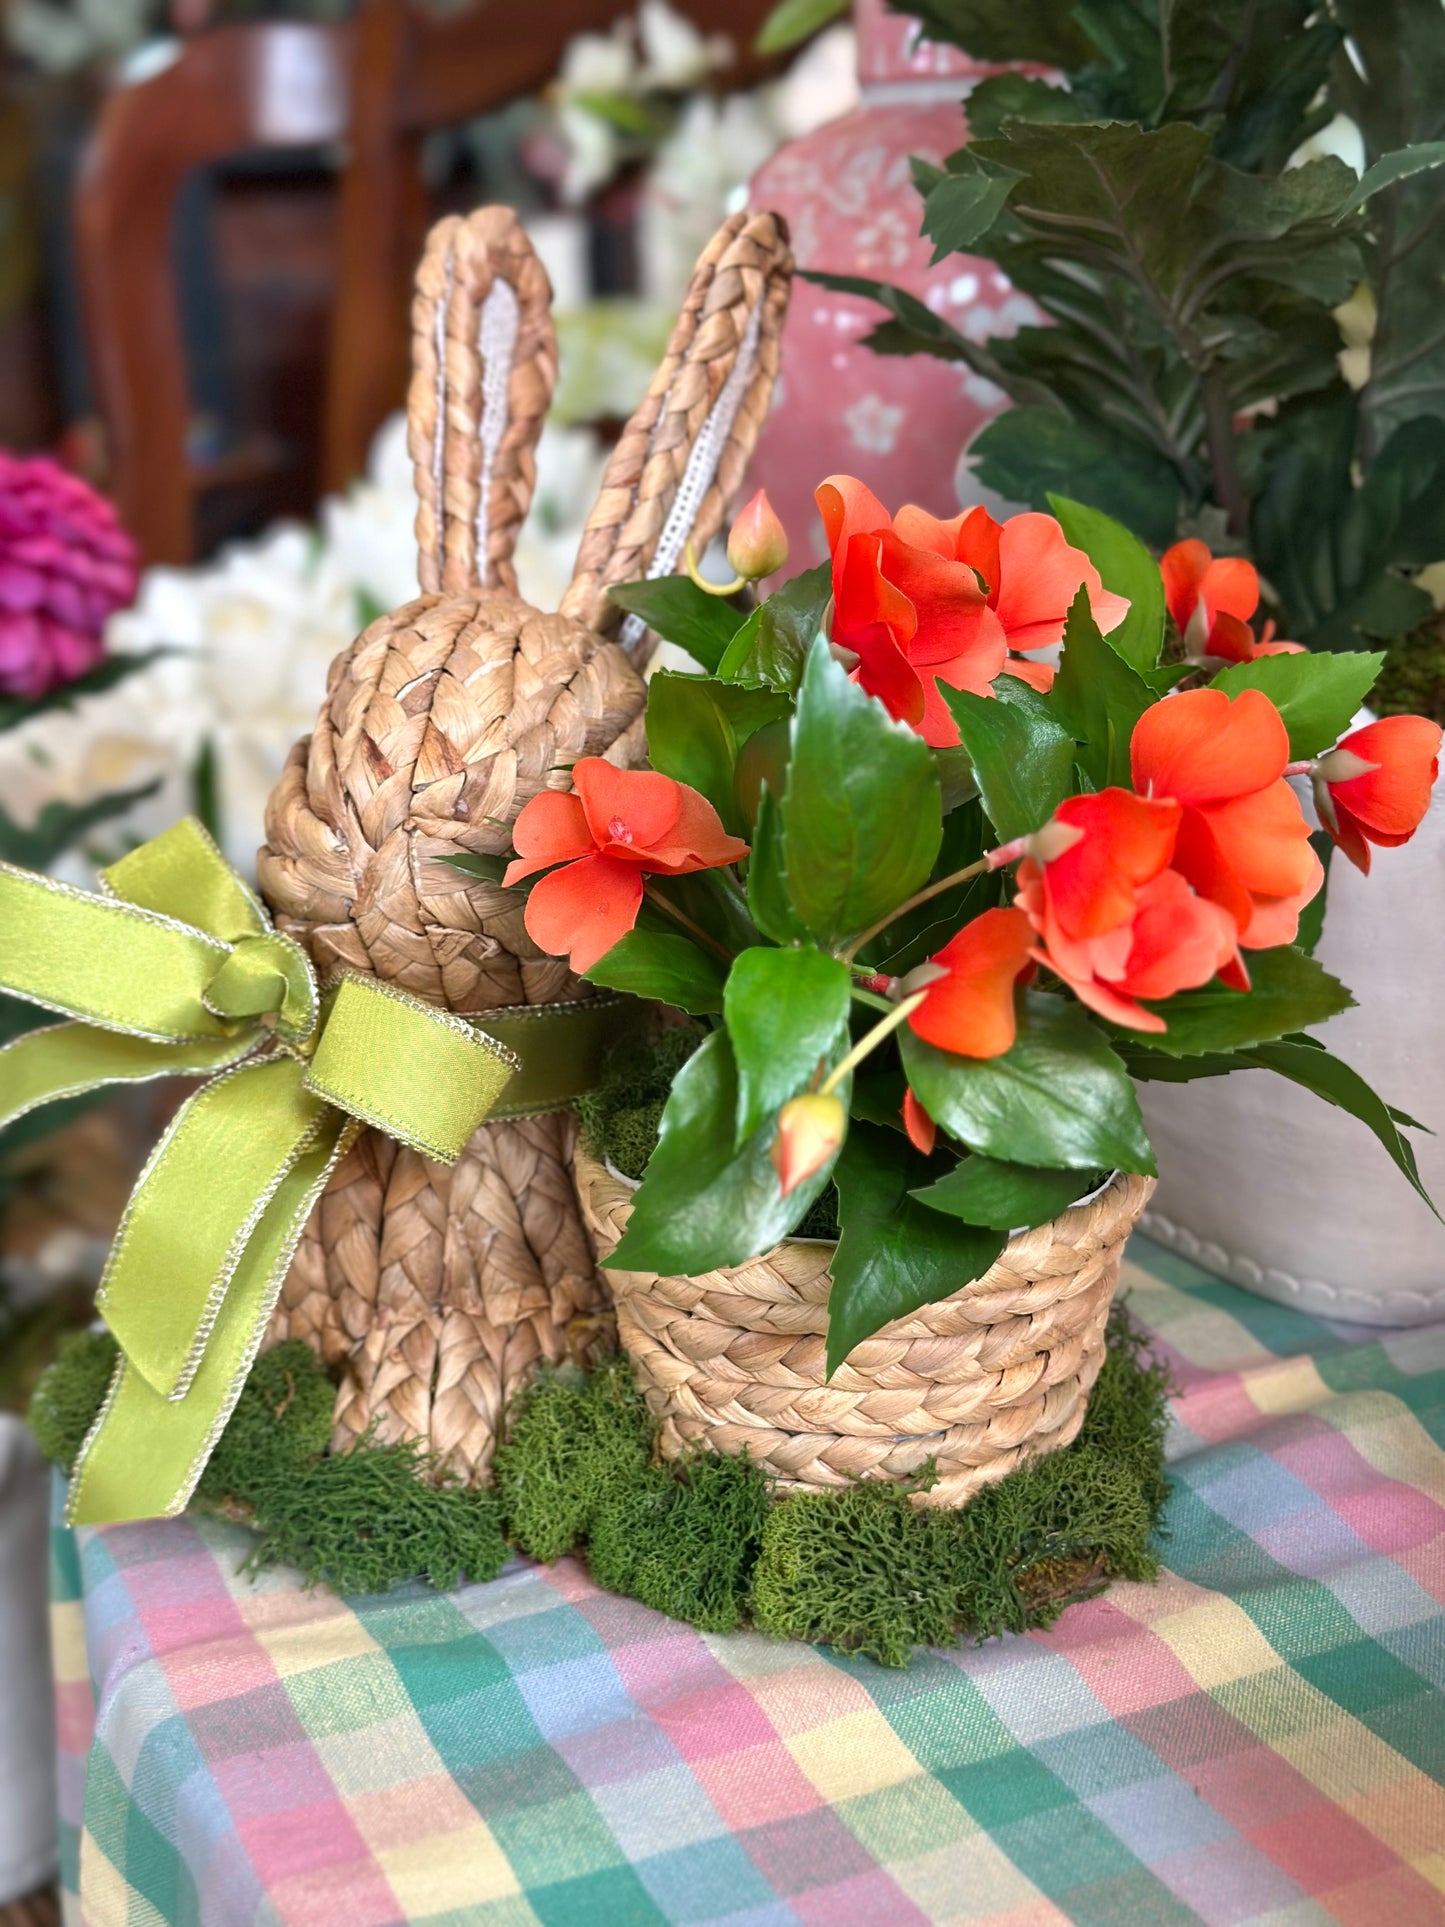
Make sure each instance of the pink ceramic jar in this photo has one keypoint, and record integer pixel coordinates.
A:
(897, 422)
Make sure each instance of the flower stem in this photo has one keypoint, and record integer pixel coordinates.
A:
(710, 588)
(681, 916)
(920, 896)
(870, 1040)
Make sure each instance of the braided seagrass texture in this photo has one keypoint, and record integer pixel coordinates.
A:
(437, 1291)
(998, 1373)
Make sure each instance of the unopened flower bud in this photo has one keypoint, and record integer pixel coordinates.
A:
(810, 1130)
(758, 542)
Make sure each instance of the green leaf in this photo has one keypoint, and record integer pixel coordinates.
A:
(1289, 991)
(962, 204)
(107, 674)
(1041, 31)
(704, 1203)
(786, 1011)
(1027, 453)
(1391, 168)
(679, 611)
(1317, 695)
(1098, 697)
(1126, 567)
(60, 826)
(1303, 1062)
(862, 818)
(773, 644)
(696, 727)
(1312, 917)
(1006, 1196)
(671, 968)
(478, 863)
(769, 903)
(1022, 757)
(1061, 1097)
(1005, 97)
(793, 21)
(894, 1254)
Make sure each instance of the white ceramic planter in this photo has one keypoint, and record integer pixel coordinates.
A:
(1285, 1194)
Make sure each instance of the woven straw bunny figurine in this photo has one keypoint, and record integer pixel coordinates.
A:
(437, 1290)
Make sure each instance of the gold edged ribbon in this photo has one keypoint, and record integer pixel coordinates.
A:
(177, 970)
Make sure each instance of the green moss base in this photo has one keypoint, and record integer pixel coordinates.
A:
(704, 1540)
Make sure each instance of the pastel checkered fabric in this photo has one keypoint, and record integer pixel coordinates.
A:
(1258, 1738)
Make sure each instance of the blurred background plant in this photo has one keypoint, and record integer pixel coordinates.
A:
(1244, 339)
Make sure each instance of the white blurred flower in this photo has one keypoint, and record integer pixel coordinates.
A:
(675, 56)
(600, 63)
(716, 147)
(821, 84)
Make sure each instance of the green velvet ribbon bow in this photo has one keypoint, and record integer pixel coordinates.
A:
(177, 970)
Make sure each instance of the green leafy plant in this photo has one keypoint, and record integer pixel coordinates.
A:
(1190, 379)
(933, 908)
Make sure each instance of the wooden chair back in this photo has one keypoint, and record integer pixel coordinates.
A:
(415, 70)
(229, 91)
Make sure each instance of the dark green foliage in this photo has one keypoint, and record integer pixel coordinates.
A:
(573, 1440)
(1413, 679)
(702, 1540)
(868, 1571)
(621, 1114)
(68, 1397)
(683, 1539)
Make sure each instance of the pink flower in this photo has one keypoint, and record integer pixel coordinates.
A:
(65, 564)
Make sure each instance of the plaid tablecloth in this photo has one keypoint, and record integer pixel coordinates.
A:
(1260, 1737)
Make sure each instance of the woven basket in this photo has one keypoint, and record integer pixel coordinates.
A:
(435, 1292)
(996, 1374)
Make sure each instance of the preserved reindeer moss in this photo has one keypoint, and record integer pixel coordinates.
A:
(702, 1540)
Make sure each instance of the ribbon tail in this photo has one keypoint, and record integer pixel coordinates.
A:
(64, 1060)
(145, 1452)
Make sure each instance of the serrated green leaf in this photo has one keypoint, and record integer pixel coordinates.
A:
(1060, 1098)
(668, 967)
(1317, 695)
(1022, 757)
(1288, 991)
(1032, 30)
(679, 611)
(791, 22)
(1005, 1196)
(704, 1203)
(1126, 567)
(1098, 697)
(696, 728)
(964, 201)
(1005, 97)
(787, 1014)
(772, 645)
(1391, 168)
(862, 817)
(893, 1254)
(769, 904)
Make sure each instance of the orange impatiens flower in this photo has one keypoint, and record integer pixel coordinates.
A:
(908, 614)
(1374, 786)
(1211, 599)
(610, 829)
(1242, 841)
(968, 1006)
(1172, 940)
(1031, 573)
(1098, 852)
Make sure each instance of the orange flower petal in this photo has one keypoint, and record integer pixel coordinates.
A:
(971, 1010)
(1038, 675)
(1349, 839)
(924, 531)
(1182, 568)
(552, 828)
(579, 912)
(1040, 573)
(1126, 841)
(1230, 587)
(1232, 640)
(1204, 747)
(1265, 840)
(1276, 919)
(1389, 802)
(848, 509)
(628, 810)
(1180, 940)
(697, 841)
(947, 602)
(868, 609)
(1199, 859)
(921, 1129)
(976, 542)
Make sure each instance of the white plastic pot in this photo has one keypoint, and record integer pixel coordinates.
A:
(1285, 1194)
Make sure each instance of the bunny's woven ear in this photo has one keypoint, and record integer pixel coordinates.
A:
(681, 457)
(484, 362)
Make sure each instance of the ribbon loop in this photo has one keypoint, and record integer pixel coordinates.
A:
(264, 976)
